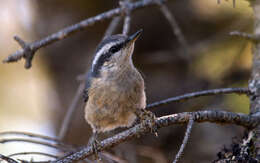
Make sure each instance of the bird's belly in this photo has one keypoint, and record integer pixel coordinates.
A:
(109, 108)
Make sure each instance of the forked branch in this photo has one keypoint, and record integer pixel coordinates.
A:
(28, 49)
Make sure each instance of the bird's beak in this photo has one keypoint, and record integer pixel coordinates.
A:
(131, 39)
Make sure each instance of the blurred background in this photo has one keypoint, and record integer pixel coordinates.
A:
(37, 99)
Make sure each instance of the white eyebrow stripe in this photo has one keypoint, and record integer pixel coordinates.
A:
(103, 50)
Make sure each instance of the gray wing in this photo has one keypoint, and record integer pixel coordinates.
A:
(87, 85)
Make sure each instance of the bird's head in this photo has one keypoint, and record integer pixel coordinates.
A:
(114, 52)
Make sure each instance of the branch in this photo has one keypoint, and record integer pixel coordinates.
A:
(126, 7)
(70, 112)
(175, 27)
(221, 117)
(58, 142)
(112, 26)
(185, 140)
(28, 49)
(255, 75)
(7, 159)
(244, 35)
(52, 145)
(199, 94)
(33, 153)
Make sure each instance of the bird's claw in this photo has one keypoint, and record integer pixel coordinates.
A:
(148, 119)
(95, 145)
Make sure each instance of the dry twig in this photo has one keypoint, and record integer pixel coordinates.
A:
(52, 145)
(33, 153)
(199, 94)
(70, 112)
(244, 35)
(125, 5)
(175, 27)
(185, 140)
(38, 136)
(28, 49)
(112, 26)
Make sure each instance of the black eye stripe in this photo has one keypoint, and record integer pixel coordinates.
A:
(116, 48)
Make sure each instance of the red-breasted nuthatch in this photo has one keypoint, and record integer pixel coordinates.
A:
(115, 92)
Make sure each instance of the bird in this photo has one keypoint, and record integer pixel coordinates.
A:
(115, 92)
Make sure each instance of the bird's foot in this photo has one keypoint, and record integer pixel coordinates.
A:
(95, 145)
(148, 119)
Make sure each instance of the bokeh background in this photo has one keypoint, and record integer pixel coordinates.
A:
(36, 100)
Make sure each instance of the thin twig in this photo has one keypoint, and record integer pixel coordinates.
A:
(244, 35)
(33, 153)
(222, 117)
(33, 135)
(69, 114)
(127, 20)
(199, 94)
(25, 161)
(175, 27)
(52, 145)
(7, 159)
(185, 140)
(126, 28)
(29, 50)
(112, 26)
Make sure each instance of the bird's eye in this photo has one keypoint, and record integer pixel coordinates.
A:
(114, 49)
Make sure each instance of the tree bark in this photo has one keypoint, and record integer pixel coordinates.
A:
(254, 83)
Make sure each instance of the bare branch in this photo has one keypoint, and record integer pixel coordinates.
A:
(112, 26)
(126, 7)
(199, 94)
(255, 74)
(25, 161)
(28, 52)
(175, 26)
(244, 35)
(69, 114)
(31, 48)
(126, 28)
(58, 142)
(7, 159)
(221, 117)
(52, 145)
(185, 140)
(33, 153)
